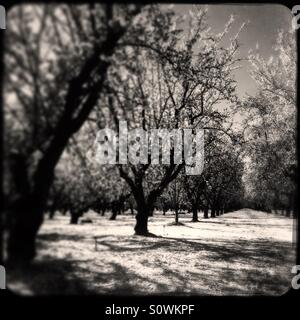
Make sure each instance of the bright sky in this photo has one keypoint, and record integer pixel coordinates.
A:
(264, 23)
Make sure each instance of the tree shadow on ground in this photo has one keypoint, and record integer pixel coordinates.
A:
(255, 250)
(47, 277)
(52, 277)
(216, 274)
(255, 256)
(56, 236)
(221, 250)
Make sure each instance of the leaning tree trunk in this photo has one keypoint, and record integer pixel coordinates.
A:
(26, 213)
(25, 219)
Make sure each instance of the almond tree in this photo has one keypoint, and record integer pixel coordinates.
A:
(57, 58)
(176, 81)
(270, 128)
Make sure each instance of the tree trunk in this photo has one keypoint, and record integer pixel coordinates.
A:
(217, 212)
(213, 212)
(141, 226)
(144, 211)
(131, 209)
(74, 217)
(205, 213)
(24, 222)
(176, 216)
(114, 215)
(195, 215)
(51, 214)
(27, 212)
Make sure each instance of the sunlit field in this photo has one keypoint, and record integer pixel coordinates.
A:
(245, 252)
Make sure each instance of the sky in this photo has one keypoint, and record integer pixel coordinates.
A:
(264, 22)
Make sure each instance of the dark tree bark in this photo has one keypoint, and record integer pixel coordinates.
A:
(114, 214)
(141, 226)
(52, 210)
(213, 212)
(24, 224)
(176, 215)
(145, 209)
(75, 215)
(205, 215)
(25, 214)
(51, 213)
(195, 214)
(131, 209)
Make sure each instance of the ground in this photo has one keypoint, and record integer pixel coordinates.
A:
(245, 252)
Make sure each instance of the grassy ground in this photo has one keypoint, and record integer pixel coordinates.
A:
(240, 253)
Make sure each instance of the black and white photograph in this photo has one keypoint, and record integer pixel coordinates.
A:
(149, 149)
